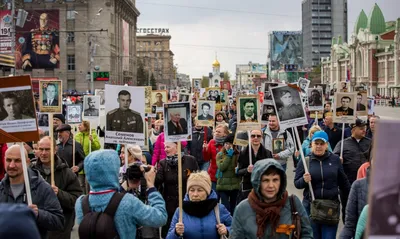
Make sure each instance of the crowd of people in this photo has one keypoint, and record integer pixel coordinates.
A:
(228, 191)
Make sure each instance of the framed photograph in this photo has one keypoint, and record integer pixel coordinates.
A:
(177, 122)
(124, 120)
(102, 95)
(43, 120)
(288, 106)
(344, 86)
(74, 114)
(184, 97)
(315, 99)
(323, 87)
(158, 98)
(303, 84)
(147, 100)
(197, 83)
(371, 106)
(241, 137)
(278, 145)
(173, 95)
(362, 103)
(162, 87)
(50, 96)
(248, 112)
(91, 107)
(319, 114)
(18, 113)
(266, 111)
(206, 113)
(224, 97)
(344, 110)
(213, 94)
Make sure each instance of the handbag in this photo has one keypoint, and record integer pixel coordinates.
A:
(325, 211)
(296, 220)
(216, 211)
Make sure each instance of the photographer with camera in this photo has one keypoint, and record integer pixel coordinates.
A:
(135, 156)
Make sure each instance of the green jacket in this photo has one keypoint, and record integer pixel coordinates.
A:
(83, 139)
(227, 178)
(244, 219)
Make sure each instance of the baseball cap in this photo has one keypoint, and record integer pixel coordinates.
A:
(359, 123)
(320, 135)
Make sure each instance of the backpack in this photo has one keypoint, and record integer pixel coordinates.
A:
(99, 225)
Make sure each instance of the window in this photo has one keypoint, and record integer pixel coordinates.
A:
(112, 18)
(71, 62)
(71, 37)
(71, 84)
(391, 68)
(70, 14)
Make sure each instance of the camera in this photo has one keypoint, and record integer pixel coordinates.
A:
(146, 168)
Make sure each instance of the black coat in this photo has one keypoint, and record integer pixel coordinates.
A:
(68, 191)
(334, 135)
(173, 130)
(65, 152)
(244, 162)
(196, 145)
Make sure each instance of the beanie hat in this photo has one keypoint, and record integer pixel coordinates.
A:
(135, 151)
(229, 138)
(201, 179)
(60, 117)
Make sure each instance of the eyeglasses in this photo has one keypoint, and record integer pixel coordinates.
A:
(255, 136)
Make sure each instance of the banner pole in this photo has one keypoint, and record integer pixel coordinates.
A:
(180, 182)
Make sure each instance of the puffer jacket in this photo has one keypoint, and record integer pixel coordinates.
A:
(227, 180)
(83, 139)
(289, 145)
(210, 154)
(358, 198)
(327, 175)
(199, 228)
(244, 218)
(159, 151)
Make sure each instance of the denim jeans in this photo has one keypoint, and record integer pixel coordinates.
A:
(214, 187)
(228, 199)
(284, 166)
(321, 231)
(204, 166)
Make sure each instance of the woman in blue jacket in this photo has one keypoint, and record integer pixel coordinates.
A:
(326, 175)
(203, 216)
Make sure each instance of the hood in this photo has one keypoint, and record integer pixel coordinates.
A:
(213, 195)
(102, 169)
(17, 221)
(259, 168)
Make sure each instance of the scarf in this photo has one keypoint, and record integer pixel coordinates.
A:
(266, 212)
(172, 160)
(199, 209)
(219, 141)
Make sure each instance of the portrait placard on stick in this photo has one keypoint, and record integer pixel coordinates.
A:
(267, 92)
(213, 94)
(184, 97)
(303, 84)
(344, 109)
(371, 106)
(102, 95)
(177, 122)
(315, 99)
(74, 114)
(91, 107)
(158, 98)
(147, 101)
(224, 97)
(124, 120)
(50, 96)
(362, 103)
(206, 113)
(288, 106)
(248, 112)
(241, 137)
(18, 120)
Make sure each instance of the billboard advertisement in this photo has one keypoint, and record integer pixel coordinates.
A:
(285, 48)
(37, 43)
(5, 32)
(125, 45)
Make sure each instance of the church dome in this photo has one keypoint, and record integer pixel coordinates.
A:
(216, 63)
(376, 21)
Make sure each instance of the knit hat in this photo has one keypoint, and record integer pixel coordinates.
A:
(201, 179)
(135, 150)
(60, 117)
(229, 138)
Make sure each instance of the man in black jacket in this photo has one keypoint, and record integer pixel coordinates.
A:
(49, 216)
(67, 187)
(196, 145)
(244, 169)
(64, 148)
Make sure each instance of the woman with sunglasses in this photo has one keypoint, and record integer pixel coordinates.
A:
(258, 152)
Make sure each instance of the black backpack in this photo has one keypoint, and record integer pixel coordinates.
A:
(99, 225)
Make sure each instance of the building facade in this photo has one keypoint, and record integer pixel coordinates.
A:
(321, 20)
(91, 34)
(248, 74)
(285, 48)
(371, 59)
(183, 81)
(157, 58)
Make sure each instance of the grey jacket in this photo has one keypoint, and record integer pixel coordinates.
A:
(50, 217)
(289, 145)
(358, 198)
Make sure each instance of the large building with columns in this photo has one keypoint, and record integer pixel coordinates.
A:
(371, 59)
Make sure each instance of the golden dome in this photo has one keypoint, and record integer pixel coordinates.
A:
(216, 63)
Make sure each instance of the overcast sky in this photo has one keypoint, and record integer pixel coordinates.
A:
(237, 30)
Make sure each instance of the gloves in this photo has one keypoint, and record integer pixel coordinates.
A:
(230, 152)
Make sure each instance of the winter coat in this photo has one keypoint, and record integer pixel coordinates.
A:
(289, 146)
(159, 151)
(358, 198)
(210, 154)
(244, 162)
(244, 218)
(227, 180)
(83, 139)
(3, 149)
(196, 145)
(353, 155)
(101, 169)
(326, 176)
(50, 217)
(199, 228)
(69, 189)
(362, 223)
(167, 174)
(307, 149)
(65, 152)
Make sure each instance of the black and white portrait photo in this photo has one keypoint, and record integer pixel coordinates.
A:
(315, 99)
(371, 106)
(43, 120)
(74, 114)
(344, 109)
(362, 103)
(123, 116)
(303, 84)
(224, 97)
(14, 105)
(101, 94)
(241, 137)
(162, 87)
(288, 106)
(91, 106)
(158, 98)
(147, 99)
(344, 86)
(278, 145)
(323, 87)
(184, 97)
(50, 96)
(267, 110)
(248, 111)
(205, 112)
(177, 121)
(213, 93)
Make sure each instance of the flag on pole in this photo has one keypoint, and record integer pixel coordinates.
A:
(348, 75)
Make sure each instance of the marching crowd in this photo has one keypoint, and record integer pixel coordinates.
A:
(228, 191)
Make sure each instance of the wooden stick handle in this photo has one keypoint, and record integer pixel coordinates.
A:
(52, 146)
(180, 181)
